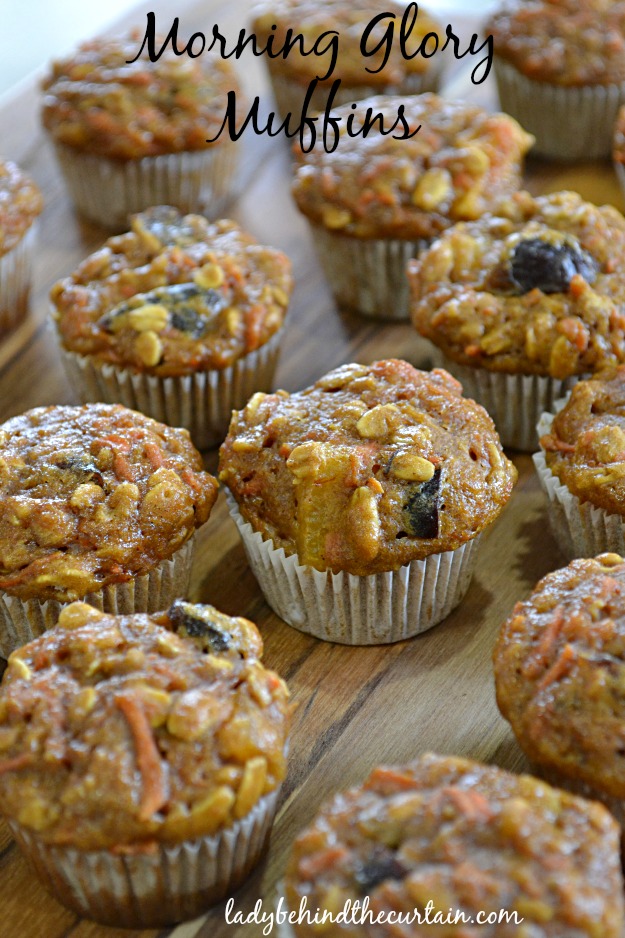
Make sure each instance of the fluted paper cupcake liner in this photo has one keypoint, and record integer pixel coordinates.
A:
(22, 620)
(620, 175)
(107, 191)
(15, 279)
(290, 95)
(368, 275)
(149, 890)
(569, 123)
(202, 402)
(358, 610)
(580, 528)
(515, 402)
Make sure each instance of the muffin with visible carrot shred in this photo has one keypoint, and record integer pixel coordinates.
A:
(97, 503)
(460, 839)
(130, 132)
(559, 673)
(581, 466)
(360, 500)
(141, 759)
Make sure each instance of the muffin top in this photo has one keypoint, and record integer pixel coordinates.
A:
(370, 468)
(93, 495)
(563, 42)
(461, 163)
(115, 731)
(465, 837)
(585, 446)
(98, 101)
(20, 204)
(173, 296)
(325, 16)
(560, 671)
(536, 289)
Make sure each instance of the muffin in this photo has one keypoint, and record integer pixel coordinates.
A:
(178, 318)
(20, 205)
(461, 840)
(581, 466)
(140, 769)
(618, 148)
(377, 201)
(130, 133)
(361, 498)
(360, 76)
(559, 665)
(97, 503)
(560, 70)
(524, 303)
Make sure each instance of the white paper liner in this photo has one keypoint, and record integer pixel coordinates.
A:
(569, 123)
(580, 528)
(515, 402)
(15, 279)
(107, 191)
(620, 175)
(202, 402)
(22, 620)
(290, 95)
(358, 610)
(367, 274)
(143, 890)
(578, 787)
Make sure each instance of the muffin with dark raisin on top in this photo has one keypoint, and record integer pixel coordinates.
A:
(360, 498)
(523, 303)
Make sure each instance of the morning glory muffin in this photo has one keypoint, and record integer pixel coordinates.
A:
(360, 499)
(559, 665)
(141, 759)
(465, 838)
(581, 466)
(377, 201)
(179, 318)
(524, 302)
(360, 76)
(20, 205)
(560, 69)
(97, 503)
(129, 133)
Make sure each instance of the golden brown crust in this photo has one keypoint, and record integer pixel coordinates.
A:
(465, 300)
(174, 296)
(559, 671)
(461, 163)
(568, 42)
(20, 204)
(585, 447)
(115, 732)
(370, 468)
(350, 22)
(98, 101)
(468, 838)
(93, 495)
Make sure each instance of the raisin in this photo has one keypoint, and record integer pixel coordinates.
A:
(550, 267)
(194, 620)
(421, 509)
(379, 867)
(190, 307)
(80, 465)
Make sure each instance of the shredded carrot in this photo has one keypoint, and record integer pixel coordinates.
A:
(389, 776)
(148, 758)
(554, 445)
(559, 668)
(470, 803)
(122, 468)
(16, 763)
(546, 644)
(311, 867)
(154, 454)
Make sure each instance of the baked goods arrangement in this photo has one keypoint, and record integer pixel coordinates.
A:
(145, 725)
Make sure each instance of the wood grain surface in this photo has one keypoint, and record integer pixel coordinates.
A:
(356, 707)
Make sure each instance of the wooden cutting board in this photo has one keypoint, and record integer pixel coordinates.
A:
(356, 707)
